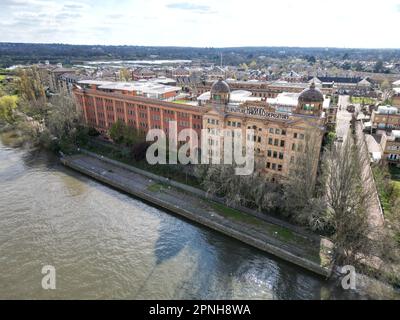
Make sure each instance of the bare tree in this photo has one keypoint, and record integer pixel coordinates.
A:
(300, 196)
(347, 197)
(252, 191)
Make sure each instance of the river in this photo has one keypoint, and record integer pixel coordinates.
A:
(107, 245)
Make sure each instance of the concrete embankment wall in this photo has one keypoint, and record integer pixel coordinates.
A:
(186, 213)
(203, 194)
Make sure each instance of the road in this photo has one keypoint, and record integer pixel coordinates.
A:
(343, 117)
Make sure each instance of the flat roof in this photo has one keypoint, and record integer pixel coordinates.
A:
(118, 86)
(94, 82)
(148, 87)
(290, 99)
(152, 86)
(284, 99)
(235, 96)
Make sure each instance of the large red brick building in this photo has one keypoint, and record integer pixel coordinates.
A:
(281, 128)
(142, 105)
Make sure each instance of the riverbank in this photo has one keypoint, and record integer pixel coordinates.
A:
(307, 251)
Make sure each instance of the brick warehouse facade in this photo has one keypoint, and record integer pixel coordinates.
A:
(280, 137)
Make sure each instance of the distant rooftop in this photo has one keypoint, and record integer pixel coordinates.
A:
(94, 82)
(396, 83)
(327, 79)
(282, 83)
(387, 110)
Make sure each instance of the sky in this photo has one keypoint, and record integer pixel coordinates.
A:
(204, 23)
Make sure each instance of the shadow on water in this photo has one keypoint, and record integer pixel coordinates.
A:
(222, 261)
(173, 237)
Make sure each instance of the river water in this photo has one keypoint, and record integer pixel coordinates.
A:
(107, 245)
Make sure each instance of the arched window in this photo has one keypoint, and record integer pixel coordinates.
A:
(308, 106)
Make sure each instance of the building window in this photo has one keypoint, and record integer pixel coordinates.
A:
(269, 153)
(281, 155)
(270, 141)
(282, 143)
(279, 167)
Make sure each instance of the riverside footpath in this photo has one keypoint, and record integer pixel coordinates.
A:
(268, 234)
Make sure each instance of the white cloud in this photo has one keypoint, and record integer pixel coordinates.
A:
(349, 23)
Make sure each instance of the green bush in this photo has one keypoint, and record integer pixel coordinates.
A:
(121, 133)
(139, 151)
(330, 137)
(92, 132)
